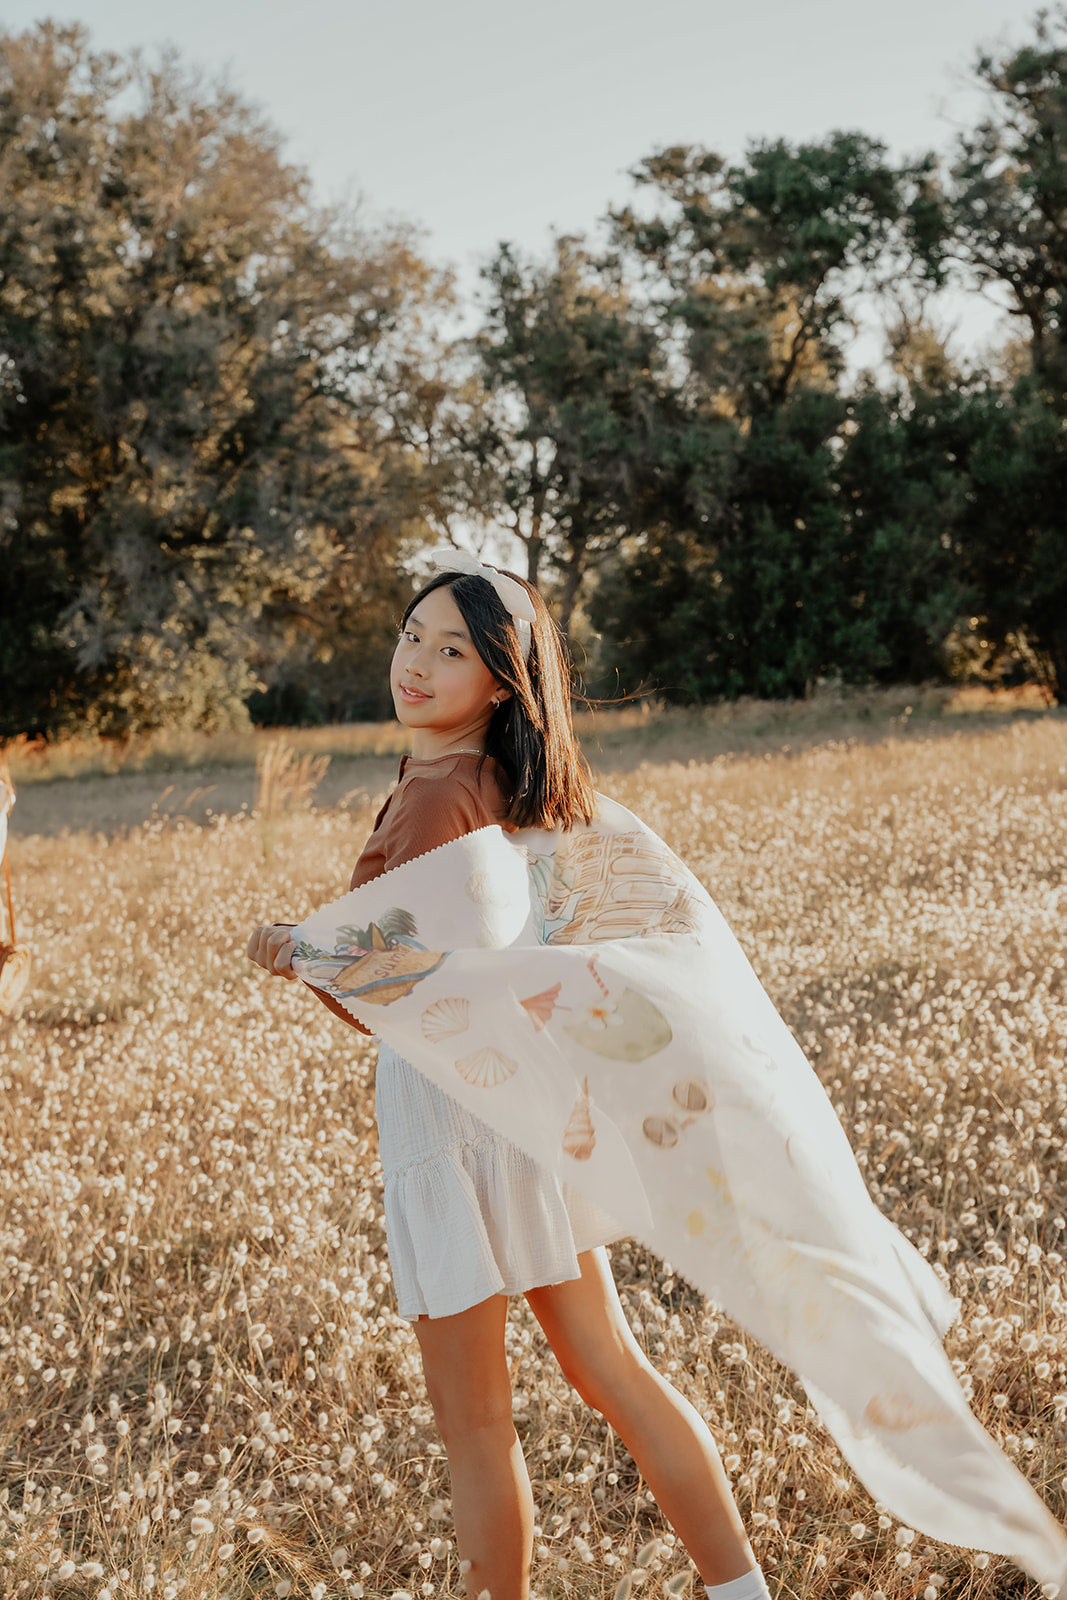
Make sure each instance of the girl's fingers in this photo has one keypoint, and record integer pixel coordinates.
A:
(272, 949)
(280, 948)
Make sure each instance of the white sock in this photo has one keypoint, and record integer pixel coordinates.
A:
(750, 1586)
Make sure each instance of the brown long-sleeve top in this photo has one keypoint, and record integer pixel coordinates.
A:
(435, 801)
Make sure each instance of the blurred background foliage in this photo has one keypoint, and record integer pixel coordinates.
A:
(231, 422)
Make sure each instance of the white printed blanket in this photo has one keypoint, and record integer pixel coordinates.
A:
(580, 992)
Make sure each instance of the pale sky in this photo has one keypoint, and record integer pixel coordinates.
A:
(482, 121)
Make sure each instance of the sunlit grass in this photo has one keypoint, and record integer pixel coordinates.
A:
(37, 761)
(204, 1388)
(608, 731)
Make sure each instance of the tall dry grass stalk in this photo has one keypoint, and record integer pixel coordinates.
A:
(285, 784)
(204, 1388)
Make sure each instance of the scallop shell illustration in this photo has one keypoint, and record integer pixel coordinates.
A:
(486, 1068)
(660, 1131)
(541, 1006)
(445, 1018)
(693, 1095)
(579, 1136)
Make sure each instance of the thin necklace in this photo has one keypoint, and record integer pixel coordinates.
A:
(464, 750)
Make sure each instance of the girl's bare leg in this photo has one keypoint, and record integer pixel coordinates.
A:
(469, 1387)
(668, 1440)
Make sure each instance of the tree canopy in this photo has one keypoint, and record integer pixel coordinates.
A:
(197, 451)
(231, 422)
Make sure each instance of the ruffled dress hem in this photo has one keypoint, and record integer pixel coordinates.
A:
(467, 1213)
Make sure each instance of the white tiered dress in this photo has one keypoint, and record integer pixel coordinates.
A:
(467, 1214)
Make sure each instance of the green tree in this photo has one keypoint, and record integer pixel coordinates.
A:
(194, 444)
(751, 267)
(773, 572)
(574, 431)
(1009, 525)
(848, 566)
(1001, 216)
(998, 221)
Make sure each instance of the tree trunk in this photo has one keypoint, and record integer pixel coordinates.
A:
(535, 549)
(573, 574)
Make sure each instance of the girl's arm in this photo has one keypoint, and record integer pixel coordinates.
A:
(271, 948)
(418, 817)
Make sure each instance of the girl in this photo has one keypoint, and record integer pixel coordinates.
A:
(481, 679)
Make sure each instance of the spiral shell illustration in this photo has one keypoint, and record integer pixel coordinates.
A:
(541, 1006)
(693, 1095)
(660, 1131)
(486, 1068)
(579, 1136)
(445, 1018)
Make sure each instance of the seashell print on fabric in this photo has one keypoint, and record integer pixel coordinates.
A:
(618, 887)
(541, 1006)
(629, 1028)
(579, 1136)
(377, 964)
(486, 1068)
(693, 1096)
(445, 1018)
(660, 1131)
(382, 976)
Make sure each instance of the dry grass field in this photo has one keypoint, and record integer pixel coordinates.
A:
(199, 776)
(204, 1388)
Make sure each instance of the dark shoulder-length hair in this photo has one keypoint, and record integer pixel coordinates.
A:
(530, 734)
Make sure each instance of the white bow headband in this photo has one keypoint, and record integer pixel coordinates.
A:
(512, 595)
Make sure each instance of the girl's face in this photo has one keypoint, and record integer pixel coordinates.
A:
(442, 689)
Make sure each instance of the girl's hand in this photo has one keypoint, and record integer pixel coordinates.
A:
(272, 949)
